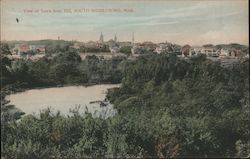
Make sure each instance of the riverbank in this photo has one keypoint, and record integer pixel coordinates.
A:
(19, 87)
(64, 99)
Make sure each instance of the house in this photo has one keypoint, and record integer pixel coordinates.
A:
(99, 45)
(237, 53)
(246, 56)
(37, 48)
(124, 43)
(15, 50)
(32, 47)
(210, 51)
(196, 50)
(114, 49)
(224, 53)
(164, 48)
(76, 46)
(41, 48)
(22, 48)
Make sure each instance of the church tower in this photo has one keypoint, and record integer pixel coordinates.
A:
(133, 38)
(101, 38)
(115, 38)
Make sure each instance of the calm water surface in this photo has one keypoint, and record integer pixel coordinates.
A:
(64, 99)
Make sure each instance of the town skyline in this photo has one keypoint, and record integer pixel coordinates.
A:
(181, 22)
(105, 40)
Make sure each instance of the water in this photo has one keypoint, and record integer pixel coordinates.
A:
(64, 99)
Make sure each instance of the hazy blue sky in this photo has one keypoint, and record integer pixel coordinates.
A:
(195, 22)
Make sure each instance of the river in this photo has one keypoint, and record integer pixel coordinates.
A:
(63, 99)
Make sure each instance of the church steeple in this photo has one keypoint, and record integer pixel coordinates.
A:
(133, 38)
(115, 38)
(101, 38)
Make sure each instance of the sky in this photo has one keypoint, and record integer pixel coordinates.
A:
(194, 22)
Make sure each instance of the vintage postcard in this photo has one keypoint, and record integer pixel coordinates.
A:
(124, 79)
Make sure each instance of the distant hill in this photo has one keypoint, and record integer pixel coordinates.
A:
(47, 42)
(232, 46)
(208, 45)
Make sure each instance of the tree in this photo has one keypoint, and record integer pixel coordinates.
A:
(126, 49)
(5, 77)
(65, 65)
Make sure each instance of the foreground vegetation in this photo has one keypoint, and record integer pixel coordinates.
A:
(167, 107)
(186, 109)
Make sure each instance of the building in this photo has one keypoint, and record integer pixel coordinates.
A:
(133, 39)
(210, 51)
(224, 53)
(15, 50)
(124, 43)
(114, 49)
(115, 39)
(76, 46)
(162, 48)
(247, 56)
(21, 48)
(237, 53)
(41, 48)
(165, 48)
(32, 47)
(37, 48)
(196, 50)
(101, 40)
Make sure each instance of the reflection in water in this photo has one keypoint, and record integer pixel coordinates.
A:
(64, 99)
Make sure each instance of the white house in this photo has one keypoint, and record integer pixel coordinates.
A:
(114, 49)
(209, 51)
(224, 53)
(163, 48)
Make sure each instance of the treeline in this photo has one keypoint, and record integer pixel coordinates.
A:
(55, 46)
(167, 107)
(62, 68)
(52, 46)
(95, 49)
(66, 68)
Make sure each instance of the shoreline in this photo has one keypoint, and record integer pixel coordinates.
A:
(8, 91)
(82, 86)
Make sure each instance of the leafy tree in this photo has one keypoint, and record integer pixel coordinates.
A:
(126, 49)
(5, 77)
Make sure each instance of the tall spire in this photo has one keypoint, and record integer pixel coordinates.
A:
(115, 38)
(101, 38)
(133, 38)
